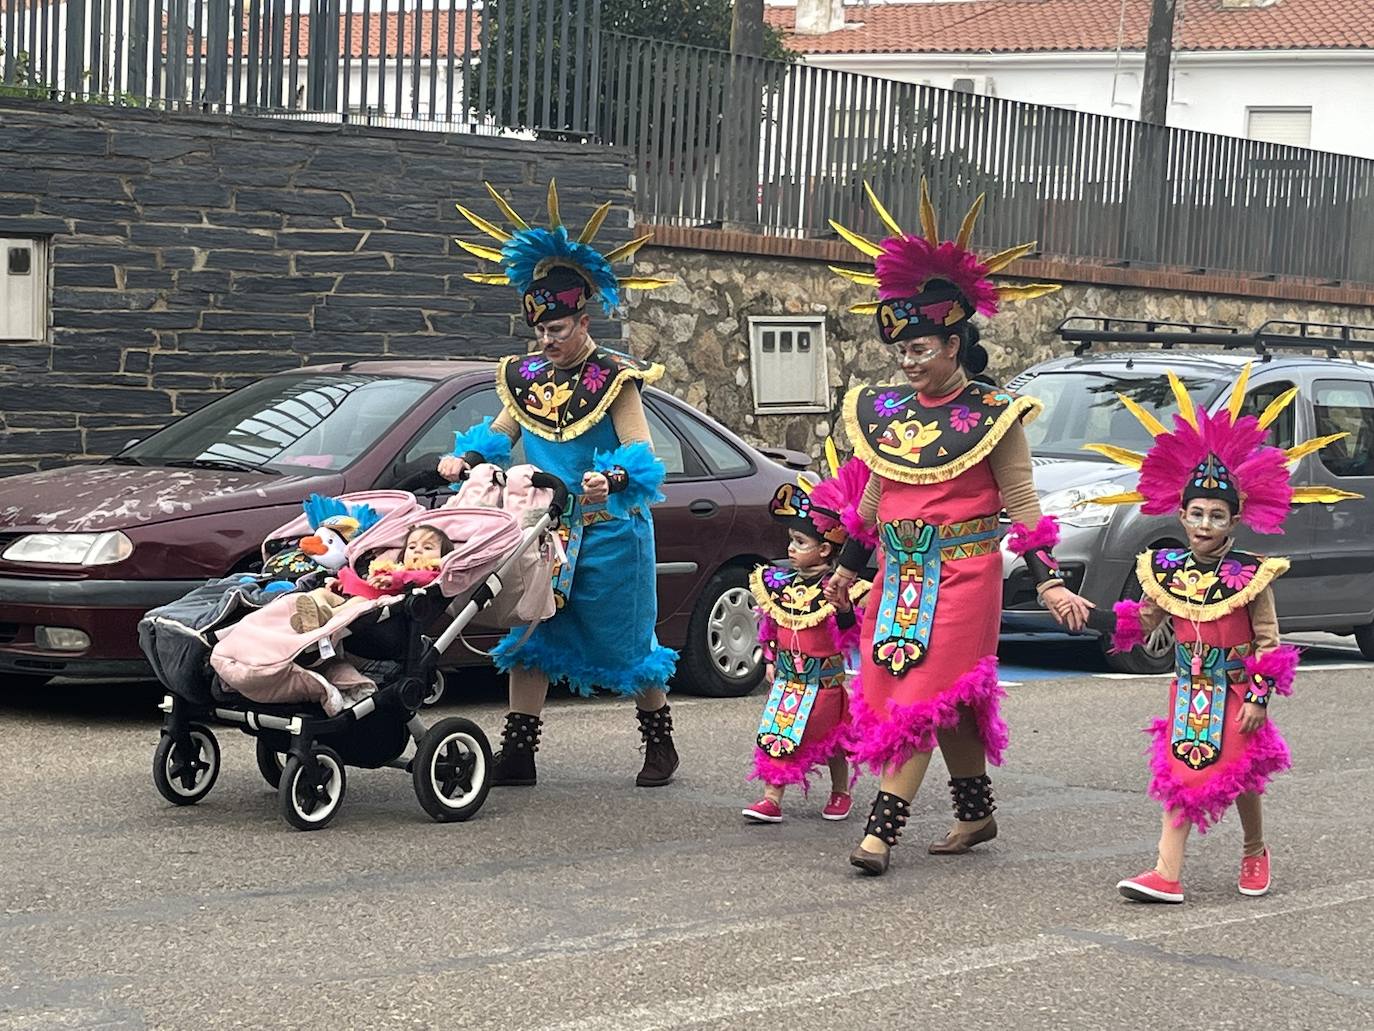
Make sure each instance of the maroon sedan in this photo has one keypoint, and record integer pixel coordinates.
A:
(85, 550)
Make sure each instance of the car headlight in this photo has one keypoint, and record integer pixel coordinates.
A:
(1073, 505)
(71, 549)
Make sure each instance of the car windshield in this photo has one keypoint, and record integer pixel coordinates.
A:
(284, 424)
(1081, 407)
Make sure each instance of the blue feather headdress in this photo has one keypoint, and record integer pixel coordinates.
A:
(319, 509)
(529, 254)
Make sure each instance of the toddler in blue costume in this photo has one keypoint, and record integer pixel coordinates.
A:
(558, 402)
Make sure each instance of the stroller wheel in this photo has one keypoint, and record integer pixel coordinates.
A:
(435, 694)
(452, 769)
(183, 776)
(310, 792)
(270, 763)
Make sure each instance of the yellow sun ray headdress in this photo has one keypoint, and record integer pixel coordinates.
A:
(926, 285)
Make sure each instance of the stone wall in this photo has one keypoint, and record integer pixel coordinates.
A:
(190, 255)
(699, 329)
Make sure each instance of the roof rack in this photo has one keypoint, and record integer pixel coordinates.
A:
(1084, 331)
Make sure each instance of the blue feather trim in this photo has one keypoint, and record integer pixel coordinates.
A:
(527, 249)
(318, 508)
(493, 446)
(584, 677)
(646, 475)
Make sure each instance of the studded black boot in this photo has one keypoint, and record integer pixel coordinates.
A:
(972, 797)
(513, 765)
(885, 822)
(660, 757)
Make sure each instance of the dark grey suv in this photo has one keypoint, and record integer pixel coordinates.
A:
(1331, 584)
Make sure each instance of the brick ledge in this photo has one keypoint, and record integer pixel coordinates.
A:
(1062, 271)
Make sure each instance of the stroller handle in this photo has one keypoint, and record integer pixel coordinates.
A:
(548, 481)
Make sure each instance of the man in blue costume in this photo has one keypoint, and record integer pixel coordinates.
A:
(557, 401)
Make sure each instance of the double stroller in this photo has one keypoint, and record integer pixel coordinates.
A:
(350, 692)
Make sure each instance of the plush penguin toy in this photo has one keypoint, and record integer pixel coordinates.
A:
(334, 524)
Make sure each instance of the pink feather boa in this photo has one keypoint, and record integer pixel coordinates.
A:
(908, 729)
(1280, 665)
(798, 767)
(1022, 540)
(1129, 632)
(1204, 804)
(1260, 471)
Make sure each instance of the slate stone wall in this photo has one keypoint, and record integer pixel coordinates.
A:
(191, 255)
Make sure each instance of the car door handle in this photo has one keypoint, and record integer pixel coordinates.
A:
(703, 508)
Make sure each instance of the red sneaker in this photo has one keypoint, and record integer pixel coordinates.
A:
(838, 807)
(1254, 874)
(765, 810)
(1150, 887)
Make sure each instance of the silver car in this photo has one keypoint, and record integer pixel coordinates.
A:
(1331, 584)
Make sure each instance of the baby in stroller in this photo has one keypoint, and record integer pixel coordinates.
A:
(421, 556)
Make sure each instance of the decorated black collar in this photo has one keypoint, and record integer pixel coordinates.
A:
(795, 601)
(1178, 583)
(903, 440)
(560, 404)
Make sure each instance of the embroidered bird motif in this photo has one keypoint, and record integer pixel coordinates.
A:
(906, 439)
(799, 597)
(544, 399)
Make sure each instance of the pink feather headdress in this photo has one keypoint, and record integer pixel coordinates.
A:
(1224, 442)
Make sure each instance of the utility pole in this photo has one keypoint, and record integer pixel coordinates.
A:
(740, 148)
(1159, 52)
(746, 28)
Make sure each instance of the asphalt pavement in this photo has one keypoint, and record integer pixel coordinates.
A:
(586, 903)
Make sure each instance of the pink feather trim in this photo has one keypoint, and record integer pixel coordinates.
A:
(1203, 804)
(1022, 540)
(842, 493)
(768, 634)
(1260, 471)
(1129, 632)
(847, 641)
(798, 767)
(894, 737)
(1280, 665)
(907, 263)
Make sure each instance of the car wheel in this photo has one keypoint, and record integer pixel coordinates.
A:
(1156, 655)
(1364, 637)
(722, 657)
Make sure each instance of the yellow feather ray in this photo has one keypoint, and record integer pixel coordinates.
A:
(1185, 403)
(505, 207)
(1277, 406)
(485, 253)
(856, 241)
(1322, 495)
(832, 457)
(1307, 447)
(966, 228)
(644, 282)
(867, 308)
(488, 278)
(1152, 425)
(1238, 393)
(883, 214)
(1131, 497)
(627, 250)
(555, 216)
(929, 226)
(1002, 259)
(1120, 455)
(481, 224)
(593, 225)
(1028, 292)
(856, 275)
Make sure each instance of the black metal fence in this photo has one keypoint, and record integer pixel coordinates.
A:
(719, 139)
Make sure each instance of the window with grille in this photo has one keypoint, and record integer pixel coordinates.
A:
(789, 364)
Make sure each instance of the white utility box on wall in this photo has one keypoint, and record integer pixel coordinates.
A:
(23, 290)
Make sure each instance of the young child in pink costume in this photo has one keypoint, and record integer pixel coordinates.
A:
(809, 643)
(1217, 747)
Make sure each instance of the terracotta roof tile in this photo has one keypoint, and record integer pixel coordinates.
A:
(1010, 26)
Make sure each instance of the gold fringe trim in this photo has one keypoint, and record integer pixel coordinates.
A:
(574, 430)
(790, 621)
(1269, 570)
(1029, 407)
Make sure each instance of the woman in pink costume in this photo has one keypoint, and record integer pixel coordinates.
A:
(947, 456)
(1217, 747)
